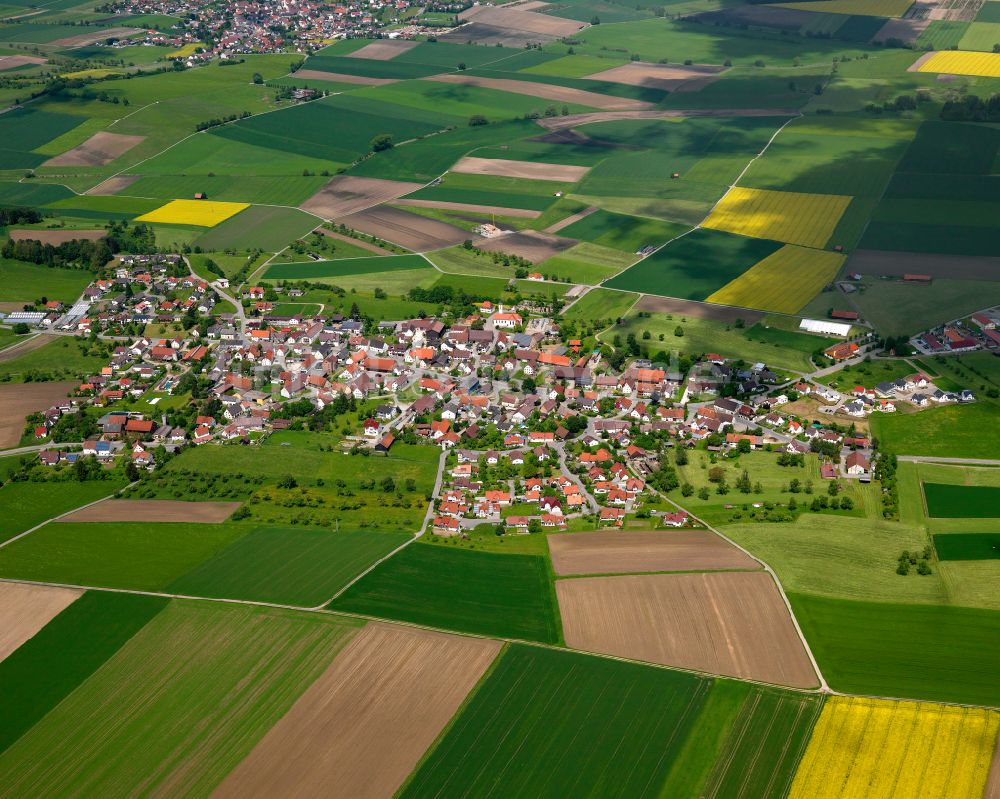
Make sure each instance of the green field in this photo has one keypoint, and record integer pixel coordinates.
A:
(868, 374)
(558, 724)
(627, 233)
(145, 557)
(264, 227)
(962, 431)
(287, 566)
(967, 546)
(23, 130)
(602, 304)
(945, 654)
(60, 358)
(24, 282)
(26, 504)
(502, 595)
(210, 679)
(48, 667)
(694, 266)
(344, 267)
(962, 502)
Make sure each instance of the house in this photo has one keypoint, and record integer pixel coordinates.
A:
(678, 519)
(842, 351)
(857, 464)
(446, 525)
(383, 446)
(612, 517)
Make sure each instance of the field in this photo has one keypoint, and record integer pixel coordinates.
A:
(535, 170)
(602, 304)
(522, 731)
(879, 8)
(26, 504)
(408, 230)
(17, 401)
(950, 431)
(967, 546)
(363, 725)
(201, 213)
(25, 283)
(962, 502)
(870, 747)
(743, 628)
(792, 217)
(931, 652)
(343, 267)
(153, 510)
(268, 227)
(210, 679)
(622, 232)
(287, 566)
(501, 595)
(784, 282)
(959, 63)
(100, 149)
(346, 195)
(647, 551)
(26, 609)
(49, 359)
(145, 557)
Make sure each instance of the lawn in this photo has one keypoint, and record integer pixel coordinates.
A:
(27, 504)
(695, 265)
(869, 373)
(287, 566)
(558, 724)
(179, 705)
(144, 557)
(344, 267)
(958, 431)
(508, 596)
(962, 502)
(24, 282)
(946, 654)
(48, 667)
(967, 546)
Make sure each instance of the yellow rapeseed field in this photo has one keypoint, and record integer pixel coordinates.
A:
(789, 216)
(200, 213)
(954, 62)
(783, 282)
(185, 50)
(860, 8)
(880, 749)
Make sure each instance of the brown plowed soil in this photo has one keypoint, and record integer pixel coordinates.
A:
(906, 30)
(519, 213)
(97, 35)
(339, 77)
(571, 121)
(993, 781)
(17, 401)
(547, 91)
(520, 169)
(657, 76)
(417, 233)
(521, 20)
(13, 61)
(100, 149)
(364, 245)
(25, 609)
(494, 36)
(697, 310)
(619, 552)
(24, 344)
(360, 729)
(153, 510)
(915, 66)
(347, 195)
(383, 49)
(731, 623)
(56, 236)
(112, 185)
(530, 244)
(953, 267)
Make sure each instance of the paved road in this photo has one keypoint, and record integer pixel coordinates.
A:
(37, 448)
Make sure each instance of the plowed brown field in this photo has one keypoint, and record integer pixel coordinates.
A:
(383, 49)
(360, 729)
(25, 609)
(347, 195)
(417, 233)
(547, 91)
(656, 76)
(647, 551)
(153, 510)
(520, 169)
(731, 623)
(55, 237)
(17, 401)
(100, 149)
(530, 244)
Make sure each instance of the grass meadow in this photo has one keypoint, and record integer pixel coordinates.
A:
(24, 282)
(27, 504)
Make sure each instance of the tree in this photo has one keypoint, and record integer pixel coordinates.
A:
(534, 526)
(476, 120)
(681, 456)
(258, 78)
(21, 329)
(679, 331)
(383, 141)
(595, 20)
(687, 490)
(795, 486)
(743, 483)
(703, 492)
(287, 482)
(716, 474)
(461, 65)
(743, 446)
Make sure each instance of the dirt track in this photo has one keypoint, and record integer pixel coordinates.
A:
(383, 49)
(339, 77)
(360, 729)
(546, 91)
(649, 551)
(657, 76)
(18, 400)
(112, 185)
(154, 510)
(347, 195)
(519, 213)
(532, 170)
(952, 267)
(100, 149)
(571, 121)
(697, 310)
(417, 233)
(530, 244)
(55, 236)
(731, 623)
(25, 609)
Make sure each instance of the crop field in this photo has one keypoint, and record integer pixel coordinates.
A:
(23, 130)
(732, 623)
(967, 546)
(153, 510)
(520, 734)
(792, 217)
(25, 283)
(872, 747)
(501, 595)
(265, 227)
(602, 304)
(962, 502)
(784, 282)
(360, 729)
(46, 668)
(26, 609)
(27, 504)
(588, 263)
(952, 62)
(201, 213)
(962, 431)
(873, 8)
(344, 267)
(124, 555)
(932, 652)
(287, 566)
(622, 232)
(209, 678)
